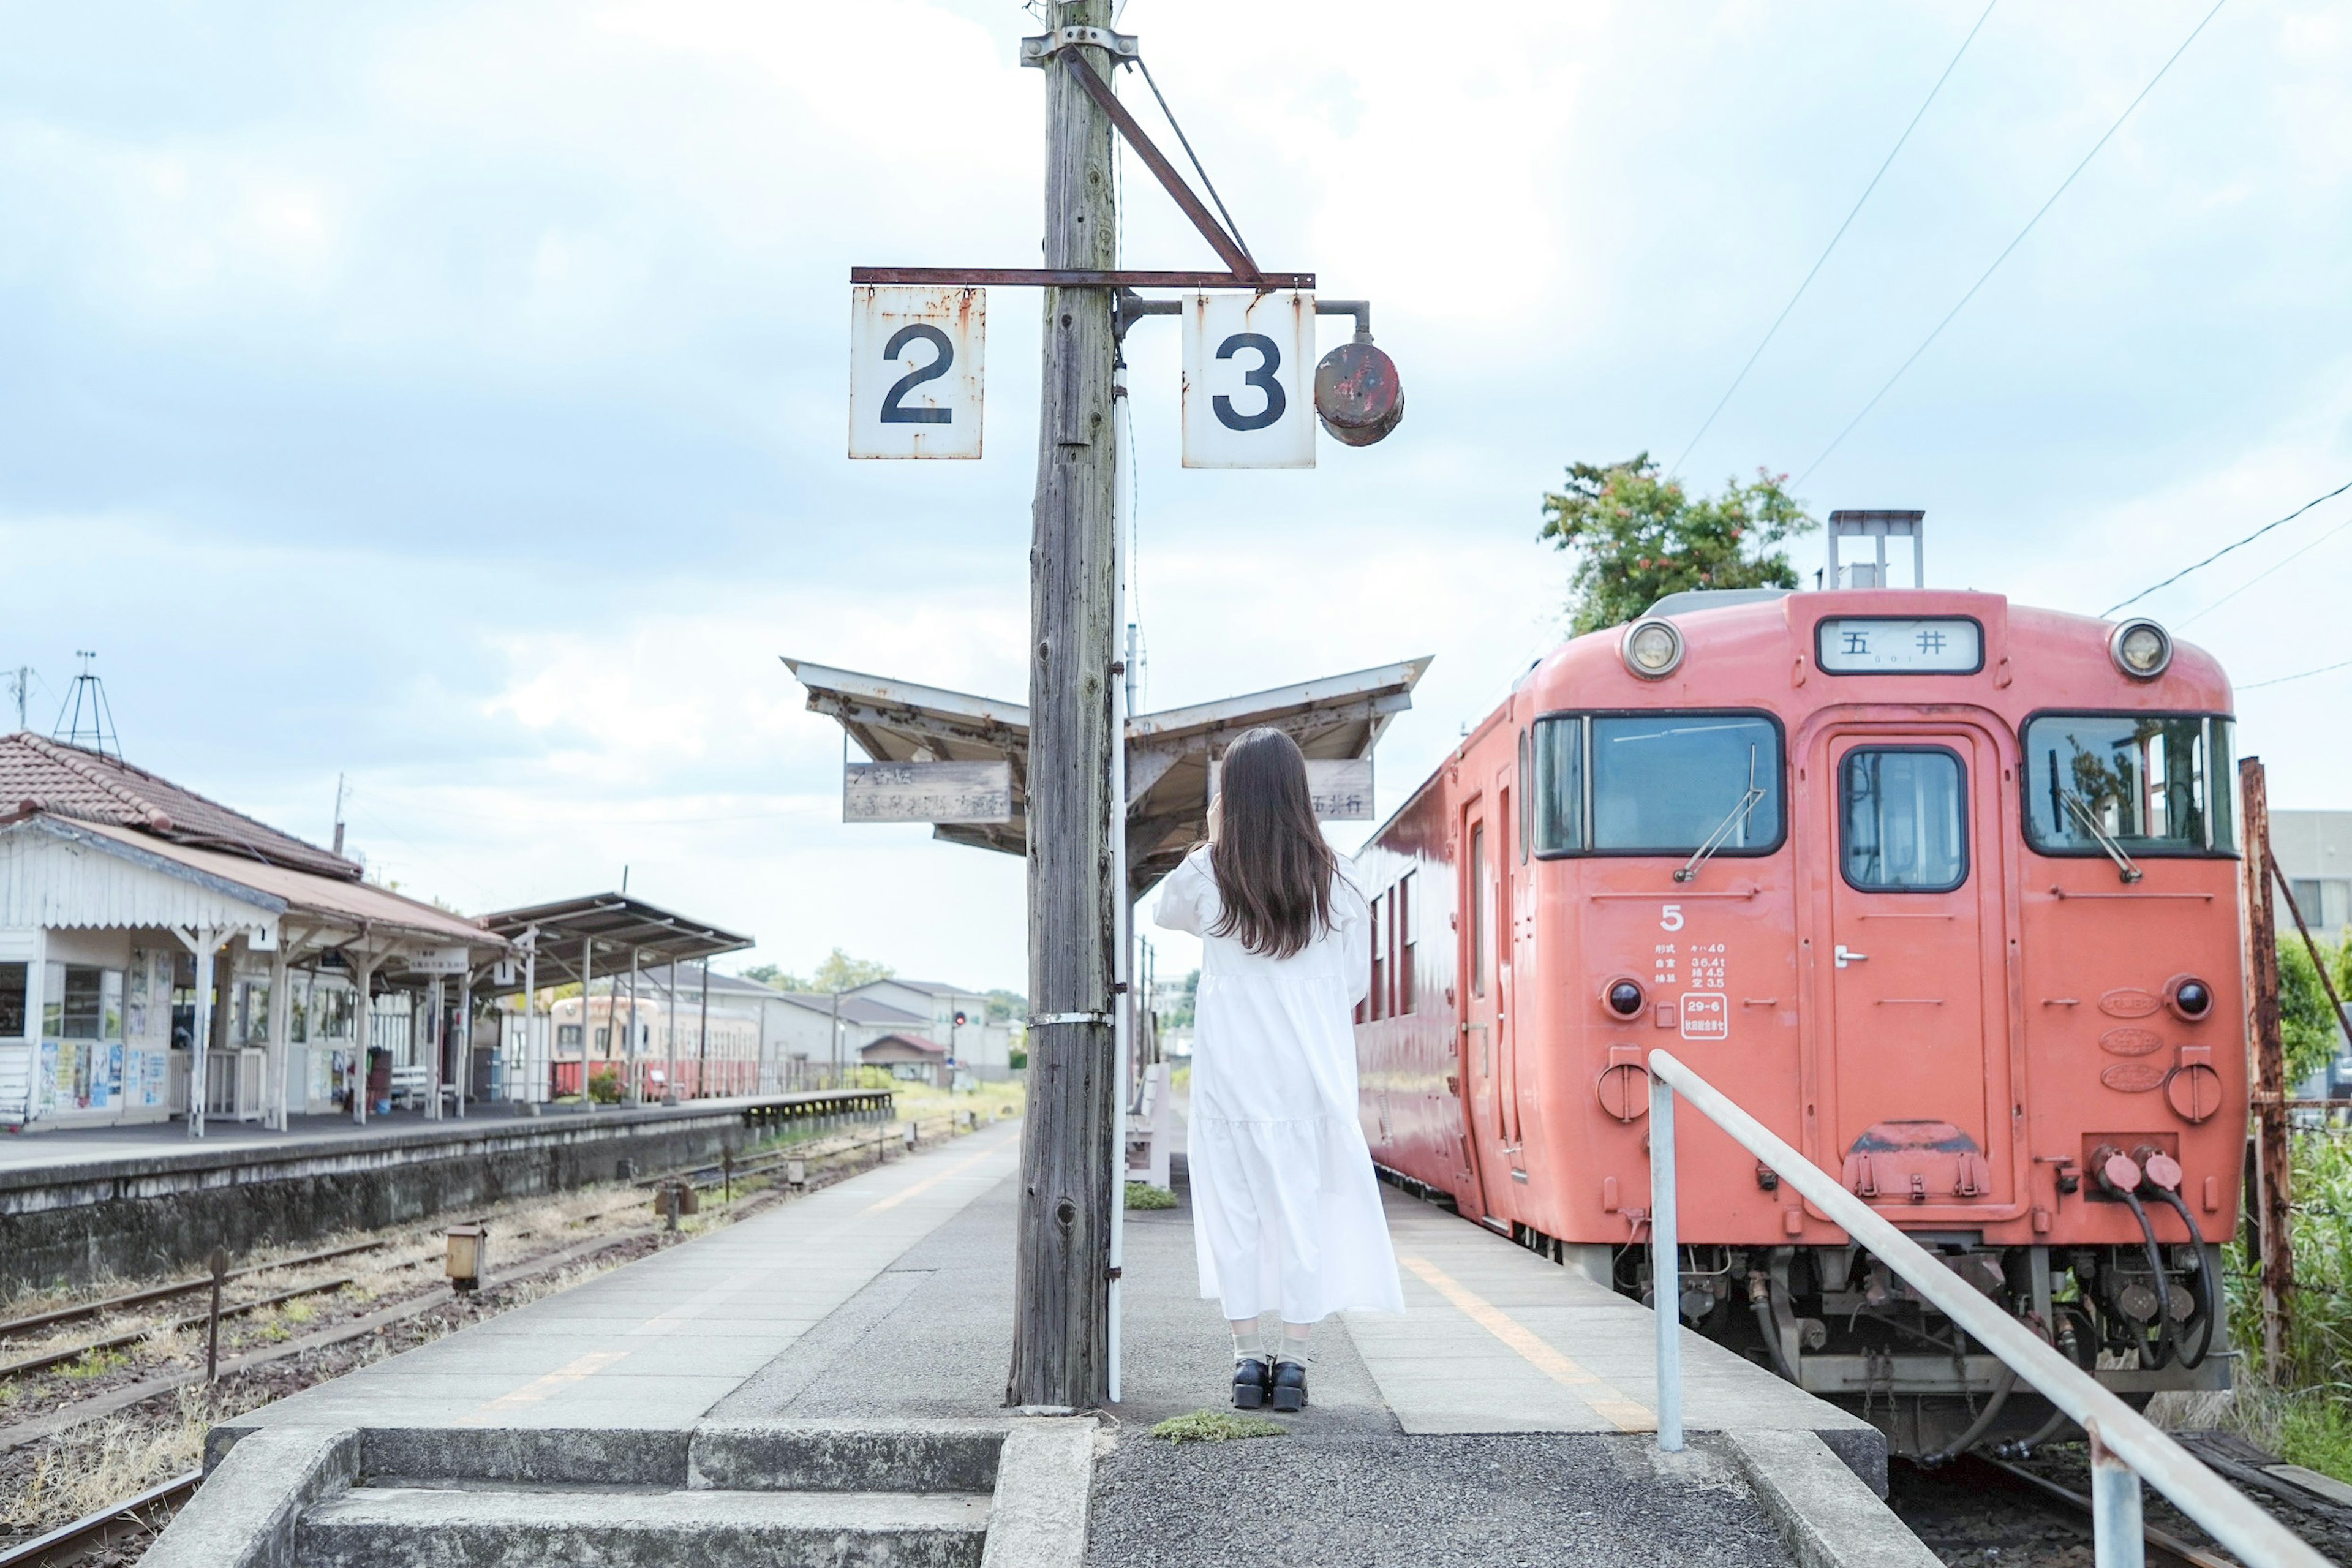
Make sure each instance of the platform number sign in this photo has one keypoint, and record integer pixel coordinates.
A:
(915, 357)
(1249, 381)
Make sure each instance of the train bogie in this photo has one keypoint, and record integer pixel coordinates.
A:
(1942, 889)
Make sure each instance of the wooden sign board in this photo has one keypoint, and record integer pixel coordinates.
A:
(438, 960)
(1249, 381)
(927, 792)
(915, 371)
(1341, 787)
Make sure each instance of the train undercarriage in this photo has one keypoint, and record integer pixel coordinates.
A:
(1839, 1325)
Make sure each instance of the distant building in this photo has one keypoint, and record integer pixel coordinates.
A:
(973, 1042)
(909, 1057)
(2314, 850)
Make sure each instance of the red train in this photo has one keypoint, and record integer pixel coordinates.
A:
(1941, 889)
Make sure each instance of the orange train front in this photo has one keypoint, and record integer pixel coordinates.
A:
(1941, 889)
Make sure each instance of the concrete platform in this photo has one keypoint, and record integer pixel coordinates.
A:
(1506, 1419)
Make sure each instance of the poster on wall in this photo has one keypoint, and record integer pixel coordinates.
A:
(155, 1076)
(46, 1081)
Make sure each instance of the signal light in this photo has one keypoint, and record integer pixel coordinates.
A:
(959, 1020)
(2188, 997)
(1624, 998)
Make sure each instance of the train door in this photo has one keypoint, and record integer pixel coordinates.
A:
(1914, 962)
(1506, 950)
(1482, 1011)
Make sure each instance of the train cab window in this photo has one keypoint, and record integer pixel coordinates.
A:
(1664, 783)
(1903, 813)
(2153, 783)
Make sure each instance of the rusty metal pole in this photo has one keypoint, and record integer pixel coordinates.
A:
(2271, 1173)
(1061, 1267)
(218, 1263)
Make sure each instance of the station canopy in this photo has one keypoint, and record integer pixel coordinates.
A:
(1168, 752)
(602, 935)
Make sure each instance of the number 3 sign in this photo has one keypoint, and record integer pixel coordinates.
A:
(915, 371)
(1249, 381)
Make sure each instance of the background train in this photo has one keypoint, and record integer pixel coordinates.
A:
(1941, 889)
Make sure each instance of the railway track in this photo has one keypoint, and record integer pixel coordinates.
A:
(2079, 1506)
(18, 1326)
(135, 1518)
(139, 1516)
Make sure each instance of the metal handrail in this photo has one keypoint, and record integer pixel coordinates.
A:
(2126, 1447)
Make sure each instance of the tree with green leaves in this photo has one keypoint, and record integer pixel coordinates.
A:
(2307, 1026)
(839, 971)
(1638, 536)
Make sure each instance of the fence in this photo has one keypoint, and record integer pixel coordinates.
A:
(2126, 1449)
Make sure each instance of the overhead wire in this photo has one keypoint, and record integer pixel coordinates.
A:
(1949, 315)
(2258, 576)
(1887, 163)
(2299, 675)
(1231, 226)
(2226, 549)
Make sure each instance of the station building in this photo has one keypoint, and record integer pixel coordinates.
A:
(163, 955)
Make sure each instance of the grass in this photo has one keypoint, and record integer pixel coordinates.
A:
(1216, 1427)
(94, 1364)
(1144, 1195)
(2306, 1415)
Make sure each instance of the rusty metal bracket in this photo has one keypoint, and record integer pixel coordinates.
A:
(1229, 250)
(1074, 277)
(1036, 51)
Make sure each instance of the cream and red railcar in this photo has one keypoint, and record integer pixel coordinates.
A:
(1941, 889)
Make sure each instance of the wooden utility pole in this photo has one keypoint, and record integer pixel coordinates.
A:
(1059, 1349)
(2272, 1169)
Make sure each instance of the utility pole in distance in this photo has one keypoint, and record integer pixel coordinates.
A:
(1060, 1326)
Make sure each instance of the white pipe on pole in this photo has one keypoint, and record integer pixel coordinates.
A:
(2224, 1512)
(1122, 905)
(1665, 1267)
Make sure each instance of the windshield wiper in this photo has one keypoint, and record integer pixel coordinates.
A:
(2084, 814)
(1726, 827)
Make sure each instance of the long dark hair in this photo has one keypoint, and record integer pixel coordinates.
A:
(1274, 870)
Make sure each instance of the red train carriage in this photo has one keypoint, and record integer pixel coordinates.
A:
(1941, 889)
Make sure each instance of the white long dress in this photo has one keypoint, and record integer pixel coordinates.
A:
(1285, 1209)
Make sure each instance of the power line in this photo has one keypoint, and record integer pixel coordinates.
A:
(2012, 245)
(2266, 571)
(1708, 423)
(2225, 550)
(2300, 675)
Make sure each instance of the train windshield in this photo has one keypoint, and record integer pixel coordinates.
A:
(1657, 784)
(2155, 784)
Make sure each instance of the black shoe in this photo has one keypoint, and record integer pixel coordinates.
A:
(1290, 1386)
(1253, 1382)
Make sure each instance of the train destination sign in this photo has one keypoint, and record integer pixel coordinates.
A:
(1249, 381)
(915, 362)
(1885, 645)
(927, 792)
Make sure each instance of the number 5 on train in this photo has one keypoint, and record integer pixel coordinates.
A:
(1249, 381)
(915, 371)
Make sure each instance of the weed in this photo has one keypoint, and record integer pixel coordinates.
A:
(93, 1363)
(1216, 1427)
(1144, 1195)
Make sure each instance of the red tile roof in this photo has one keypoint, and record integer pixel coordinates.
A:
(67, 781)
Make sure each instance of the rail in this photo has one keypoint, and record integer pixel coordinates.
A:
(2126, 1449)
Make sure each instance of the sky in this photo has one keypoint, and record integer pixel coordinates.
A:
(451, 398)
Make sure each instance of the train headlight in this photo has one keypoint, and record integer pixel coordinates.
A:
(2190, 997)
(1624, 998)
(2140, 648)
(1652, 649)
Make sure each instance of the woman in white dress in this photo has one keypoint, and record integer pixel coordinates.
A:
(1285, 1209)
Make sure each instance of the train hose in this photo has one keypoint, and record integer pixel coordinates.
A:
(1760, 1301)
(1981, 1426)
(2208, 1288)
(2167, 1342)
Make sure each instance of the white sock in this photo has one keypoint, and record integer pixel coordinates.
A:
(1247, 1342)
(1293, 1342)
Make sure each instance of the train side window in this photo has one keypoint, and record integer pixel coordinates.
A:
(1379, 955)
(2154, 783)
(1903, 815)
(1400, 918)
(1556, 801)
(1480, 902)
(1527, 796)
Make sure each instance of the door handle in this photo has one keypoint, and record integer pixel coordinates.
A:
(1846, 956)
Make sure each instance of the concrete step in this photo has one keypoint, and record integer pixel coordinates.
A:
(456, 1525)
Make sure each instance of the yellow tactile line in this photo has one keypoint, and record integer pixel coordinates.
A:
(927, 1183)
(1628, 1415)
(540, 1388)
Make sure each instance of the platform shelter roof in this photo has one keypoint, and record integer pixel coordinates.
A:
(600, 935)
(1337, 718)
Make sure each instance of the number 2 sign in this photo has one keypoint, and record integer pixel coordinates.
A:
(1249, 381)
(915, 359)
